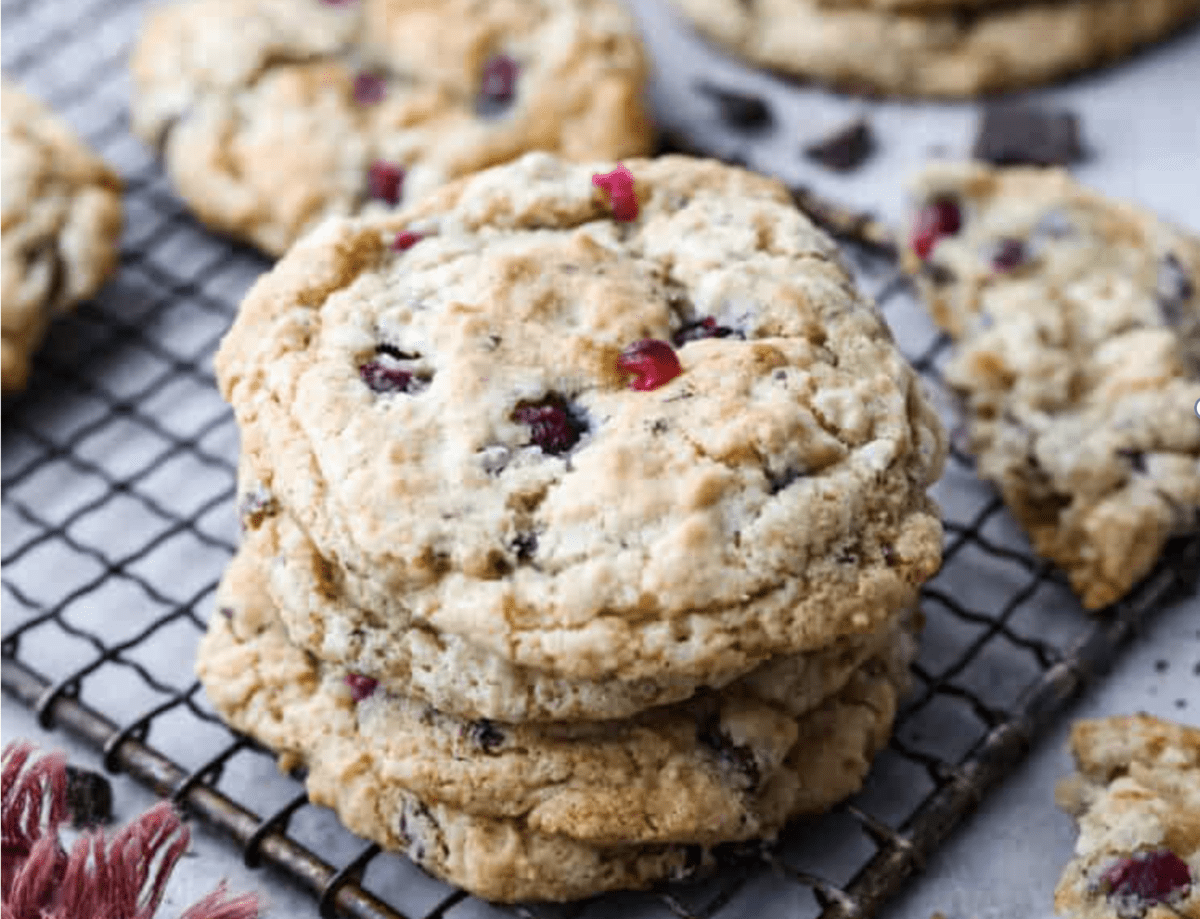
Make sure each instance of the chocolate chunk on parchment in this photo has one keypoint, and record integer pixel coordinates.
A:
(89, 798)
(744, 111)
(1011, 135)
(845, 149)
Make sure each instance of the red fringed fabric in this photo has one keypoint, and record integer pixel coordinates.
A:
(121, 877)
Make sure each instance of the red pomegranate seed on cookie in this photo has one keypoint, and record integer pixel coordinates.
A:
(385, 181)
(499, 78)
(382, 379)
(621, 195)
(1150, 876)
(935, 220)
(360, 686)
(405, 240)
(652, 362)
(369, 88)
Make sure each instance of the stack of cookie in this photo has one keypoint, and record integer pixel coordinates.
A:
(585, 512)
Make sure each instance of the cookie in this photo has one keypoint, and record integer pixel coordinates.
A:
(732, 766)
(936, 52)
(1077, 324)
(1137, 800)
(913, 6)
(274, 114)
(466, 431)
(456, 677)
(62, 226)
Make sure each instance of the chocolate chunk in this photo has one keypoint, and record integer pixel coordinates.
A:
(89, 798)
(1136, 458)
(777, 482)
(524, 546)
(485, 735)
(845, 149)
(1008, 255)
(1173, 290)
(736, 757)
(701, 328)
(739, 110)
(1024, 134)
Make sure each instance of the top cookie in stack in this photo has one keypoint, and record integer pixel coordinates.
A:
(950, 48)
(609, 473)
(273, 114)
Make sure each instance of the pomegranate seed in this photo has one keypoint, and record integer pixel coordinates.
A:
(621, 195)
(382, 379)
(550, 427)
(499, 78)
(385, 181)
(936, 219)
(360, 686)
(652, 362)
(369, 88)
(1151, 876)
(405, 240)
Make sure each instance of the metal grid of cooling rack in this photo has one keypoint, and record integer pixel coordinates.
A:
(117, 518)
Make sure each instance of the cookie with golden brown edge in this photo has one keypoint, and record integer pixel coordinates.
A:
(1137, 800)
(939, 51)
(1077, 323)
(661, 447)
(585, 806)
(460, 678)
(62, 226)
(273, 114)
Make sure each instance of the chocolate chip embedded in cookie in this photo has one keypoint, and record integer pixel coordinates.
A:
(62, 226)
(878, 46)
(274, 114)
(568, 488)
(1078, 352)
(1137, 800)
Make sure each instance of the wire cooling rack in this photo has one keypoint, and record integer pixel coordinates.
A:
(117, 519)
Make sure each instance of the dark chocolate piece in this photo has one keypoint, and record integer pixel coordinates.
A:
(845, 149)
(1011, 135)
(743, 111)
(89, 798)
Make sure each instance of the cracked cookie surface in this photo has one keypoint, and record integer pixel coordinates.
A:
(61, 222)
(1077, 322)
(1137, 800)
(935, 52)
(274, 114)
(723, 767)
(459, 678)
(768, 500)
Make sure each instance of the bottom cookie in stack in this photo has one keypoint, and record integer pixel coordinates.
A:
(555, 810)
